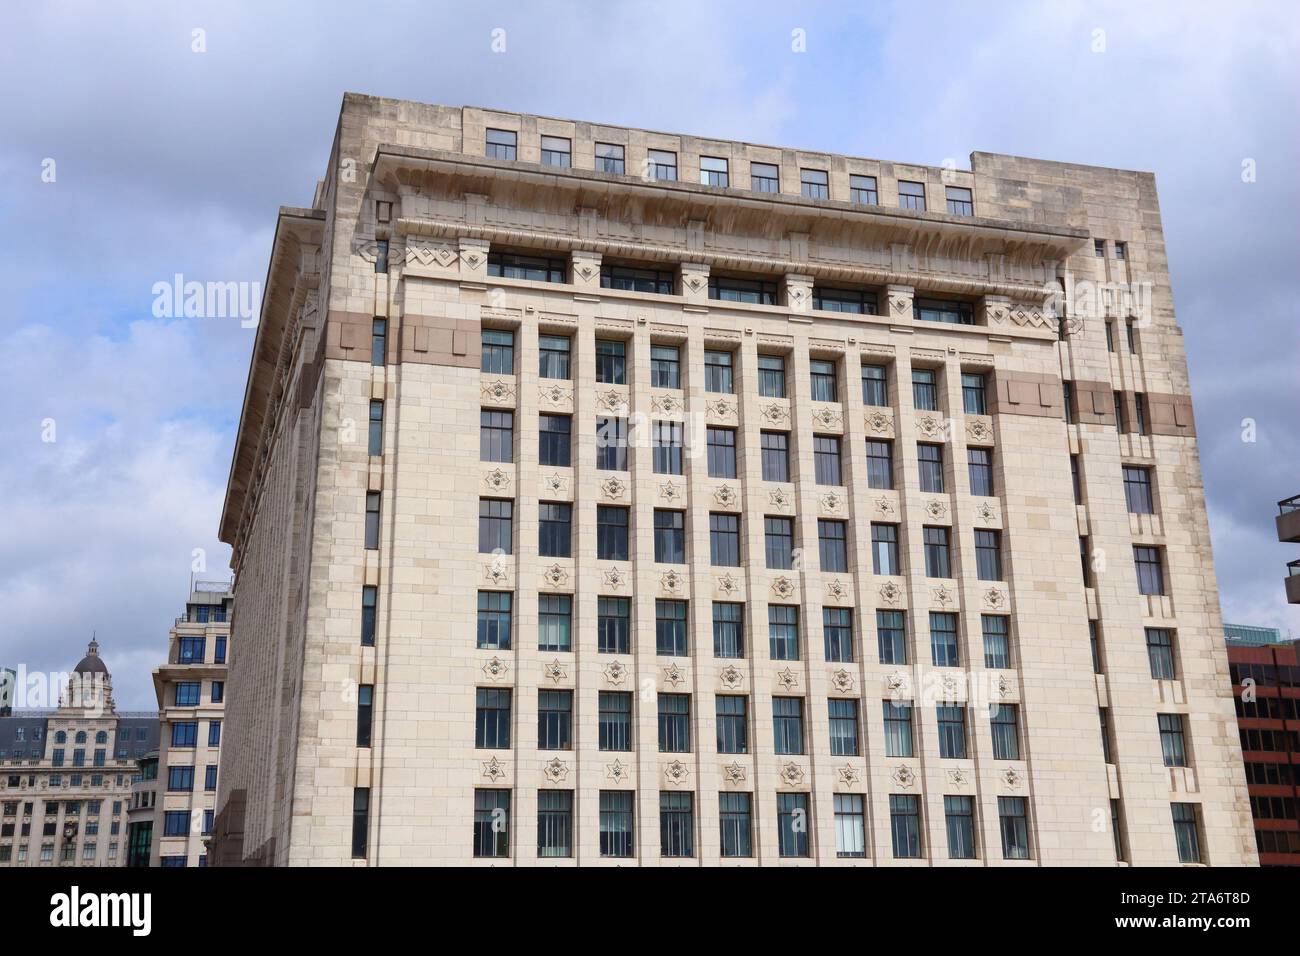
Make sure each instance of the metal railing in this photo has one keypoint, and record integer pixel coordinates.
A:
(1292, 568)
(1288, 505)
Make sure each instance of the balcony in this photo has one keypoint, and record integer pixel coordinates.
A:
(1293, 582)
(1288, 520)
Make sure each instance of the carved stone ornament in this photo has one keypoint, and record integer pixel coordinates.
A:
(958, 777)
(787, 679)
(494, 770)
(1003, 686)
(616, 672)
(496, 669)
(618, 771)
(726, 496)
(930, 426)
(555, 770)
(498, 479)
(936, 508)
(978, 429)
(555, 484)
(842, 681)
(498, 390)
(497, 572)
(890, 593)
(832, 501)
(848, 775)
(555, 394)
(614, 578)
(942, 595)
(1012, 777)
(672, 582)
(728, 584)
(879, 422)
(554, 671)
(885, 507)
(827, 417)
(669, 491)
(775, 414)
(783, 587)
(995, 599)
(665, 403)
(897, 684)
(734, 773)
(837, 590)
(904, 776)
(425, 253)
(732, 677)
(676, 773)
(612, 400)
(613, 487)
(984, 511)
(792, 774)
(721, 408)
(673, 674)
(779, 498)
(555, 576)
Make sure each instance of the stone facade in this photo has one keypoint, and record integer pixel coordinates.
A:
(1052, 274)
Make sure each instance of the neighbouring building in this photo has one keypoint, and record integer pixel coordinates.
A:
(140, 846)
(191, 704)
(1288, 530)
(66, 775)
(612, 496)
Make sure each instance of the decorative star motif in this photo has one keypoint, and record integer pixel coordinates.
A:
(734, 773)
(618, 772)
(497, 572)
(776, 414)
(725, 495)
(827, 416)
(555, 483)
(783, 587)
(885, 506)
(899, 303)
(494, 770)
(904, 776)
(722, 408)
(842, 681)
(556, 394)
(673, 674)
(554, 671)
(837, 590)
(779, 498)
(929, 426)
(669, 491)
(731, 676)
(664, 403)
(890, 593)
(936, 508)
(978, 429)
(498, 390)
(612, 400)
(1012, 777)
(848, 775)
(985, 511)
(879, 422)
(896, 683)
(676, 773)
(496, 669)
(497, 479)
(995, 599)
(614, 578)
(555, 770)
(792, 774)
(616, 672)
(832, 501)
(942, 595)
(949, 685)
(555, 576)
(787, 679)
(613, 487)
(671, 581)
(728, 584)
(957, 777)
(1003, 686)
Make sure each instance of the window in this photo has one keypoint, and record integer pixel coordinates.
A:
(1150, 570)
(1110, 336)
(814, 184)
(911, 195)
(214, 733)
(959, 815)
(943, 310)
(498, 356)
(613, 625)
(1121, 250)
(1083, 558)
(675, 723)
(721, 452)
(732, 723)
(629, 278)
(717, 372)
(1094, 641)
(554, 622)
(611, 444)
(491, 823)
(676, 824)
(180, 779)
(1117, 831)
(1067, 400)
(666, 447)
(1006, 731)
(176, 823)
(553, 353)
(378, 341)
(1075, 480)
(495, 524)
(218, 694)
(1137, 490)
(844, 726)
(988, 555)
(936, 552)
(1121, 420)
(188, 693)
(713, 171)
(826, 459)
(556, 151)
(930, 460)
(611, 361)
(614, 720)
(724, 540)
(665, 366)
(943, 639)
(884, 549)
(184, 734)
(824, 387)
(764, 178)
(747, 291)
(554, 529)
(1130, 329)
(670, 536)
(952, 731)
(670, 629)
(1015, 828)
(833, 544)
(783, 632)
(496, 436)
(492, 718)
(554, 823)
(775, 447)
(376, 436)
(610, 158)
(735, 819)
(1160, 653)
(972, 394)
(661, 164)
(792, 824)
(372, 520)
(862, 190)
(209, 780)
(1173, 740)
(997, 641)
(728, 629)
(880, 464)
(875, 386)
(494, 620)
(1140, 412)
(959, 201)
(616, 823)
(855, 301)
(925, 394)
(501, 144)
(779, 543)
(611, 533)
(365, 713)
(509, 265)
(898, 728)
(554, 719)
(771, 376)
(787, 724)
(979, 463)
(905, 825)
(1099, 248)
(553, 440)
(891, 637)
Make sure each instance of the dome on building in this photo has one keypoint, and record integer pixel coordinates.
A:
(92, 663)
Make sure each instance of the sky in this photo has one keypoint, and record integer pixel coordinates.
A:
(133, 148)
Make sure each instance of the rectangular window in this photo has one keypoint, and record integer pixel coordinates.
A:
(553, 352)
(1140, 412)
(185, 733)
(911, 195)
(491, 823)
(372, 520)
(783, 632)
(792, 824)
(1137, 490)
(614, 720)
(554, 823)
(1121, 250)
(884, 549)
(943, 639)
(553, 440)
(732, 723)
(666, 447)
(509, 265)
(554, 529)
(713, 171)
(360, 821)
(1130, 330)
(854, 301)
(610, 158)
(495, 526)
(787, 724)
(1160, 653)
(1173, 740)
(959, 816)
(176, 823)
(214, 733)
(1067, 400)
(824, 386)
(675, 723)
(898, 728)
(1187, 832)
(1099, 248)
(814, 184)
(365, 713)
(376, 436)
(764, 178)
(632, 278)
(498, 357)
(979, 463)
(779, 543)
(611, 362)
(997, 641)
(775, 456)
(665, 366)
(1107, 750)
(492, 718)
(1110, 335)
(670, 629)
(676, 824)
(501, 144)
(496, 435)
(875, 386)
(826, 460)
(1083, 558)
(721, 452)
(1075, 479)
(494, 609)
(1094, 641)
(670, 536)
(771, 376)
(554, 719)
(746, 291)
(843, 713)
(728, 629)
(937, 564)
(1121, 420)
(972, 394)
(1150, 570)
(988, 555)
(611, 533)
(613, 625)
(557, 151)
(891, 637)
(611, 444)
(1015, 828)
(662, 164)
(943, 310)
(905, 825)
(188, 693)
(960, 202)
(925, 392)
(862, 190)
(1006, 731)
(616, 823)
(832, 540)
(554, 622)
(724, 540)
(880, 464)
(952, 731)
(930, 461)
(378, 342)
(735, 819)
(718, 372)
